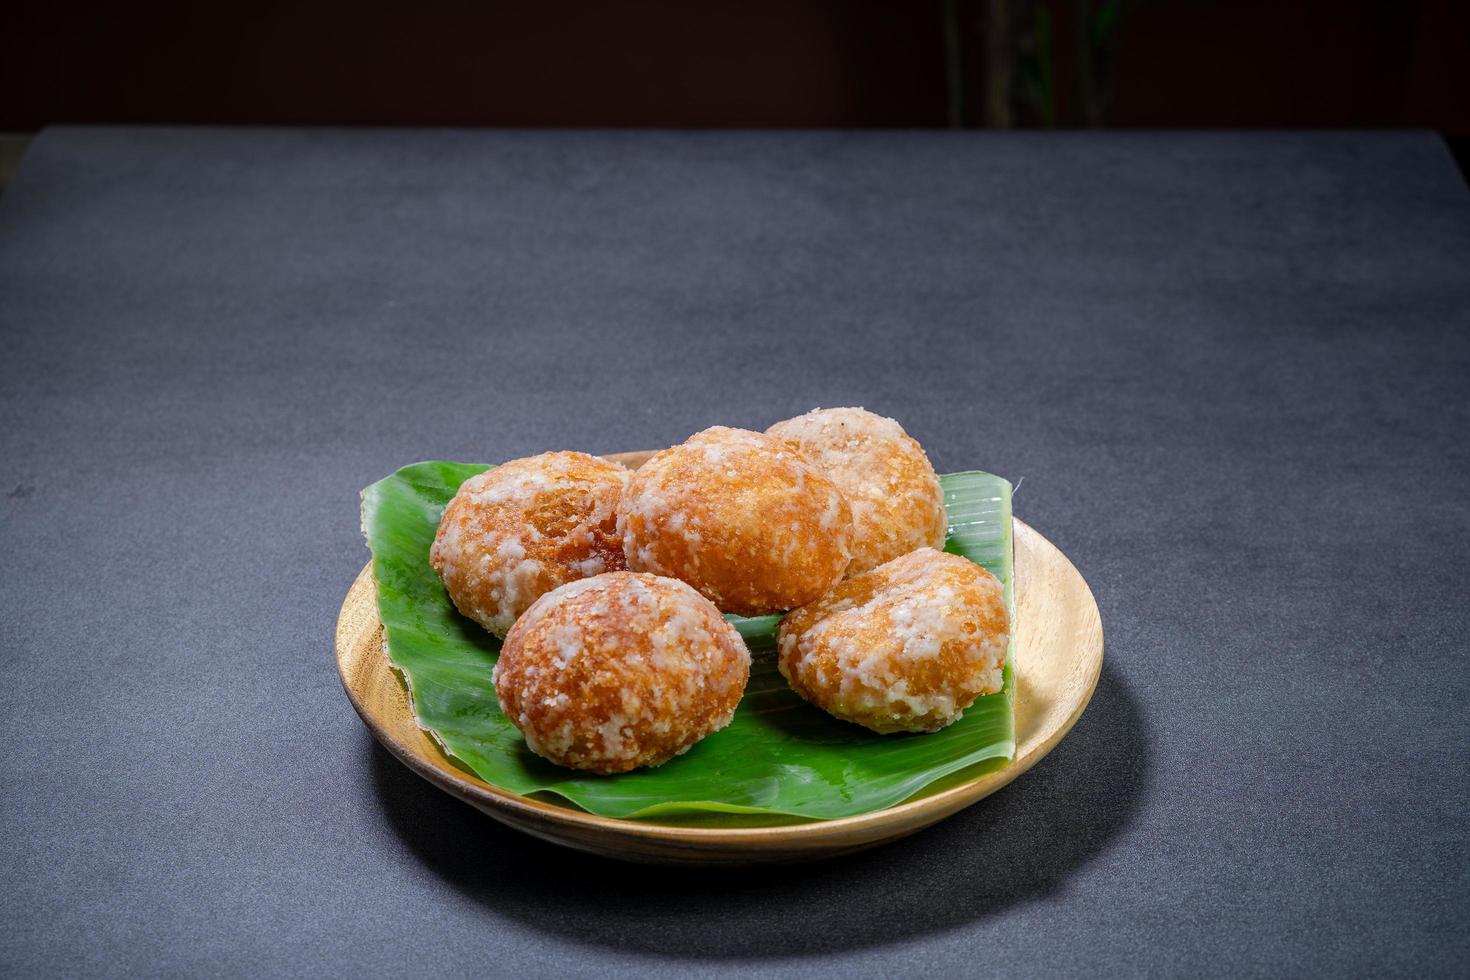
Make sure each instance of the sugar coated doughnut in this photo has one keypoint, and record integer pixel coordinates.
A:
(897, 504)
(751, 523)
(906, 647)
(619, 671)
(525, 527)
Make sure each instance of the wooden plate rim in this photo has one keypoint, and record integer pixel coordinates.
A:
(909, 812)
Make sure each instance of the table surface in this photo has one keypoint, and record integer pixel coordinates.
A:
(1230, 372)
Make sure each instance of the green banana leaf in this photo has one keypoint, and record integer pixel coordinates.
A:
(780, 760)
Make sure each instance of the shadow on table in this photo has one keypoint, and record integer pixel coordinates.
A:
(1012, 847)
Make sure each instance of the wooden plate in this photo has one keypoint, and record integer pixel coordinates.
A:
(1058, 655)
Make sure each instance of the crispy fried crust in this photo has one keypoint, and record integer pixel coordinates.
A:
(906, 647)
(525, 527)
(751, 523)
(897, 504)
(620, 671)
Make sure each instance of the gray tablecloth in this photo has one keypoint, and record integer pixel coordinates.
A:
(1231, 374)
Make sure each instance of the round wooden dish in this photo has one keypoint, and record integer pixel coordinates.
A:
(1058, 650)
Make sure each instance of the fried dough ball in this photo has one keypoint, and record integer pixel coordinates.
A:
(751, 523)
(897, 504)
(906, 647)
(619, 671)
(525, 527)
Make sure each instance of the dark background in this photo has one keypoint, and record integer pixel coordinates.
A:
(663, 63)
(1227, 368)
(1227, 371)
